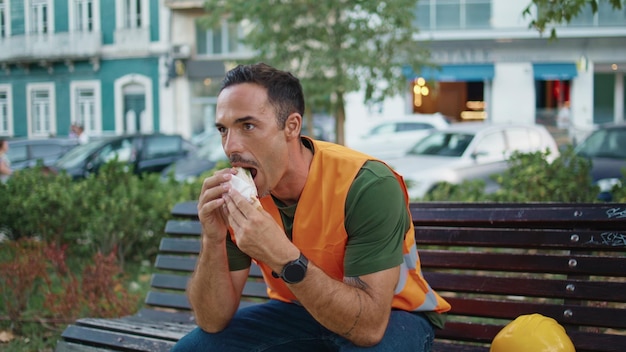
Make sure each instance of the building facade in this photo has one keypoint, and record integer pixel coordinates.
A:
(492, 66)
(200, 58)
(98, 63)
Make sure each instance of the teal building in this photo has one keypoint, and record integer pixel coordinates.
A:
(98, 63)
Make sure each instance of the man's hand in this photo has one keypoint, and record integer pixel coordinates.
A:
(256, 232)
(211, 206)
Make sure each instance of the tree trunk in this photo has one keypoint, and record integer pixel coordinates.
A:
(340, 119)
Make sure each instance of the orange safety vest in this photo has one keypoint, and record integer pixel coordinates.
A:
(319, 231)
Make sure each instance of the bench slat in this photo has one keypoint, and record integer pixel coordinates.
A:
(181, 317)
(547, 215)
(186, 210)
(168, 300)
(533, 263)
(584, 341)
(493, 308)
(183, 227)
(177, 263)
(178, 245)
(515, 286)
(178, 282)
(105, 338)
(64, 346)
(573, 239)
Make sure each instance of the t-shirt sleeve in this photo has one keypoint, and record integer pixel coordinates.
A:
(376, 221)
(237, 259)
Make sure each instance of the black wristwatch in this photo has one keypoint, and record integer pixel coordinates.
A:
(294, 271)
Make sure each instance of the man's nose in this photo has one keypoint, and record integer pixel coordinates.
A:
(231, 143)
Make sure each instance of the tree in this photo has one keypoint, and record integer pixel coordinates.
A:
(333, 46)
(554, 12)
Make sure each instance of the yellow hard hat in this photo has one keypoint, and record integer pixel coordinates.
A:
(532, 333)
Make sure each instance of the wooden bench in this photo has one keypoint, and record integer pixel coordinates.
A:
(492, 262)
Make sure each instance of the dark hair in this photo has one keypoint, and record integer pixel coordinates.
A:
(284, 91)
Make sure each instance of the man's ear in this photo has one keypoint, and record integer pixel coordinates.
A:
(293, 125)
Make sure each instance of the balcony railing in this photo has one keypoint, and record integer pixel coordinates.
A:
(50, 47)
(132, 39)
(184, 4)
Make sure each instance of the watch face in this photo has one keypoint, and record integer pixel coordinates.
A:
(294, 272)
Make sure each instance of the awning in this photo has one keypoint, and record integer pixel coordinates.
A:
(455, 73)
(554, 71)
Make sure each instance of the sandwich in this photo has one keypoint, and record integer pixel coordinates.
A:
(244, 184)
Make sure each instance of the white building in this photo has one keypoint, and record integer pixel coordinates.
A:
(492, 66)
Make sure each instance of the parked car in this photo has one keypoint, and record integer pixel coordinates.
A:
(196, 163)
(468, 151)
(26, 153)
(144, 152)
(606, 148)
(394, 137)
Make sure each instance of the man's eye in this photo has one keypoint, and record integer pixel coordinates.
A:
(248, 126)
(221, 130)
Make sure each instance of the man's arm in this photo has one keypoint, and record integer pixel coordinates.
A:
(357, 309)
(214, 292)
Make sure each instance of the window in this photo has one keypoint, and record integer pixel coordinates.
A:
(85, 106)
(41, 110)
(6, 118)
(605, 16)
(82, 15)
(46, 150)
(38, 17)
(491, 147)
(549, 97)
(453, 14)
(5, 23)
(132, 15)
(223, 39)
(122, 150)
(162, 146)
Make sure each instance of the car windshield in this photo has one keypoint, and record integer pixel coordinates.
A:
(608, 143)
(78, 154)
(451, 144)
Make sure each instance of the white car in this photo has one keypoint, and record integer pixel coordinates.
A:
(468, 151)
(392, 138)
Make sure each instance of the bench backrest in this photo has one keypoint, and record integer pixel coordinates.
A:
(492, 262)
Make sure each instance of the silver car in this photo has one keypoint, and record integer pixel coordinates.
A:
(468, 151)
(394, 137)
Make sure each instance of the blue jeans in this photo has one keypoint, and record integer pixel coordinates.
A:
(283, 327)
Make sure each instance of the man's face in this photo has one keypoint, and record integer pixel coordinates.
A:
(250, 134)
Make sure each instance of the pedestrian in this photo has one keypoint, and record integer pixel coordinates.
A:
(334, 237)
(5, 163)
(80, 134)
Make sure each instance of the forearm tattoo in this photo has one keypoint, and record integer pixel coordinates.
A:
(360, 285)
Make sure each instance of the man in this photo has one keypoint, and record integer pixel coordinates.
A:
(79, 132)
(334, 237)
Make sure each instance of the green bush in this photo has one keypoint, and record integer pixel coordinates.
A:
(530, 178)
(113, 210)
